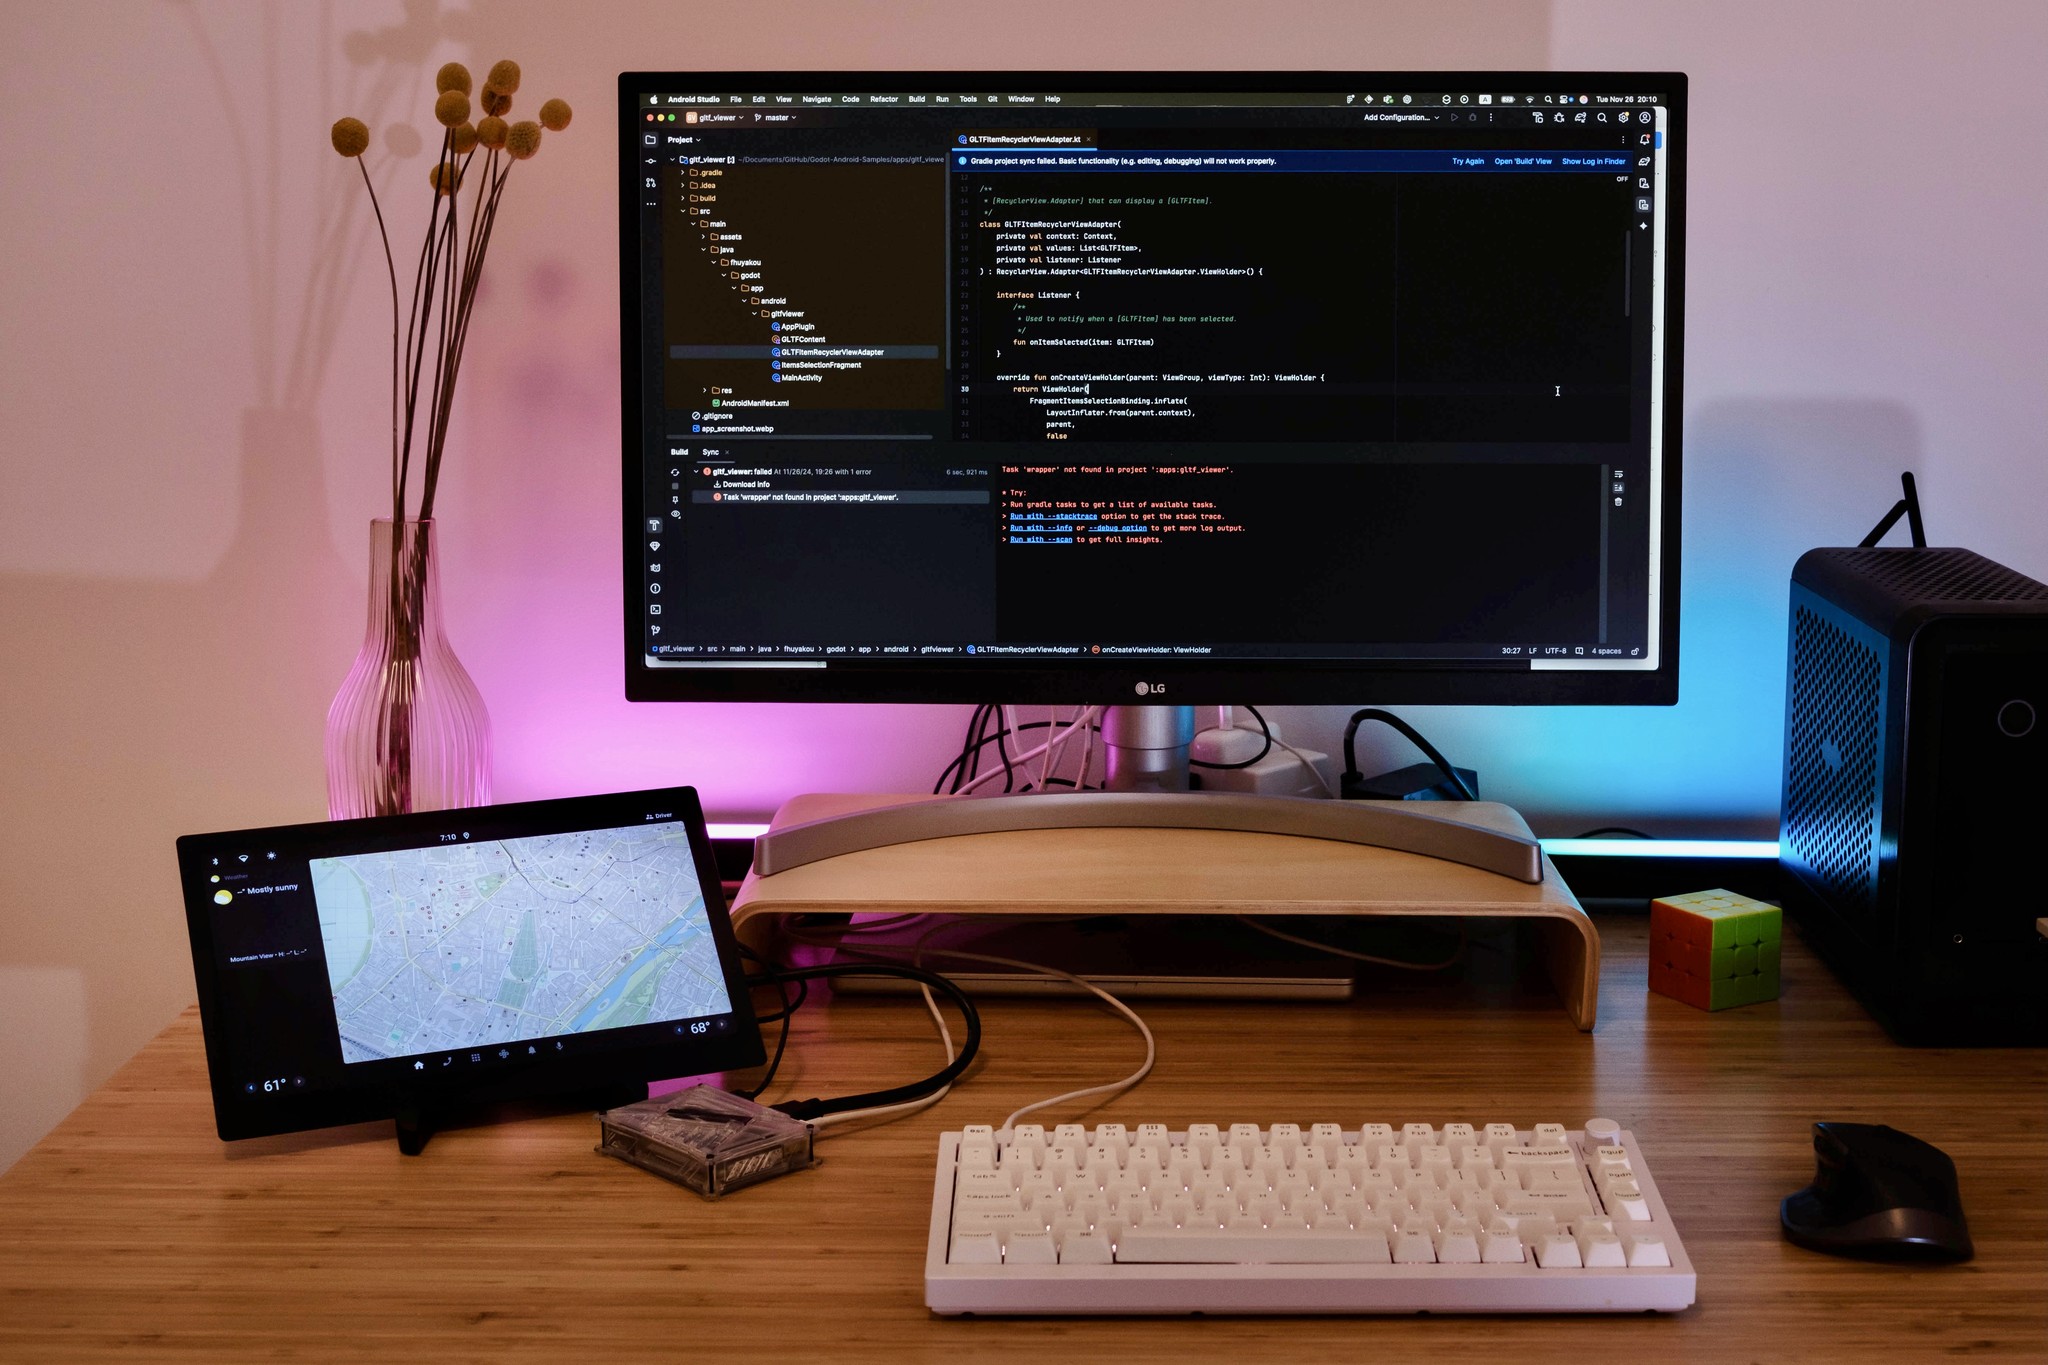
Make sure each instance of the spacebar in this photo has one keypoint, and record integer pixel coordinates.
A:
(1143, 1246)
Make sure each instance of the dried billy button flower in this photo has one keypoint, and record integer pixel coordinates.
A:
(496, 102)
(490, 132)
(522, 140)
(351, 137)
(555, 115)
(444, 177)
(464, 138)
(454, 76)
(452, 108)
(504, 78)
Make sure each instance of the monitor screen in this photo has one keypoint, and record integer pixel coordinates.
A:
(1089, 387)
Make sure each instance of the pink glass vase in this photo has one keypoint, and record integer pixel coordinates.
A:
(408, 730)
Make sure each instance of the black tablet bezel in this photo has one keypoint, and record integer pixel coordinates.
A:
(596, 1063)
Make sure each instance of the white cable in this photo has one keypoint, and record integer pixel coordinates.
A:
(1334, 951)
(1061, 738)
(1086, 1092)
(1084, 724)
(1052, 716)
(1313, 770)
(908, 1107)
(921, 947)
(1225, 719)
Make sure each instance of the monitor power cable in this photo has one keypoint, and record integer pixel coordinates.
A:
(1414, 736)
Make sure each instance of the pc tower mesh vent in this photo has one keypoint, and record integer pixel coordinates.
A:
(1831, 761)
(1938, 576)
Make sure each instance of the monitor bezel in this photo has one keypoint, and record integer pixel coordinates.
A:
(1171, 682)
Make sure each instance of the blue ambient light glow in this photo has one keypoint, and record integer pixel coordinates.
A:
(1661, 848)
(1556, 848)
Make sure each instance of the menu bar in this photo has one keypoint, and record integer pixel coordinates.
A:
(1167, 99)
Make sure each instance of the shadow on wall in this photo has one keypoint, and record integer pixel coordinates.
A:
(223, 687)
(145, 709)
(1765, 481)
(1769, 479)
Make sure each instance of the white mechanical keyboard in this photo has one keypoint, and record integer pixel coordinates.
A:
(1241, 1219)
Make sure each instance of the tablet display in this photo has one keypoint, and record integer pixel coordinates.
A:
(366, 968)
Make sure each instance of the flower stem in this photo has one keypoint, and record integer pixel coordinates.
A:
(390, 269)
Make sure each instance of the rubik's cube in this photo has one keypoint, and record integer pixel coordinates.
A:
(1714, 949)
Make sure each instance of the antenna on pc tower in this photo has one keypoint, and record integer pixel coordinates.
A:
(1907, 507)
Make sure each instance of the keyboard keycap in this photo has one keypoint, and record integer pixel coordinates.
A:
(1646, 1250)
(1601, 1249)
(1564, 1204)
(1457, 1245)
(976, 1248)
(1030, 1248)
(1498, 1245)
(1086, 1248)
(1558, 1154)
(1210, 1248)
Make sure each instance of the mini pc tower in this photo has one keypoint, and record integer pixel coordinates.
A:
(1916, 788)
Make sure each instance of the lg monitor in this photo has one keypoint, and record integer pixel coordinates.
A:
(1113, 388)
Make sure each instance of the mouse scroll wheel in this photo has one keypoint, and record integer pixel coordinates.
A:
(1831, 1159)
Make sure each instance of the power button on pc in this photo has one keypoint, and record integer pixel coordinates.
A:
(2016, 718)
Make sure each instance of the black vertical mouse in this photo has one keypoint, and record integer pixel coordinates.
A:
(1878, 1193)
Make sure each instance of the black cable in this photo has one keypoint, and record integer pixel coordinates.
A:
(1622, 830)
(1003, 752)
(1912, 501)
(1414, 736)
(1256, 758)
(1907, 507)
(803, 988)
(976, 723)
(789, 1007)
(1001, 734)
(781, 1042)
(901, 1094)
(966, 765)
(959, 763)
(803, 995)
(971, 768)
(991, 719)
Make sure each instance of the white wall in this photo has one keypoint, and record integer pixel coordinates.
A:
(182, 510)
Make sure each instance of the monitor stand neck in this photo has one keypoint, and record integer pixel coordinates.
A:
(1147, 747)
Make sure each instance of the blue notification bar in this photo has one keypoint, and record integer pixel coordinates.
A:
(1379, 160)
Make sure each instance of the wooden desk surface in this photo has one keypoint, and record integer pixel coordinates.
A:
(132, 1230)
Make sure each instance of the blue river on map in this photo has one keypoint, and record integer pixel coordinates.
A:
(668, 939)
